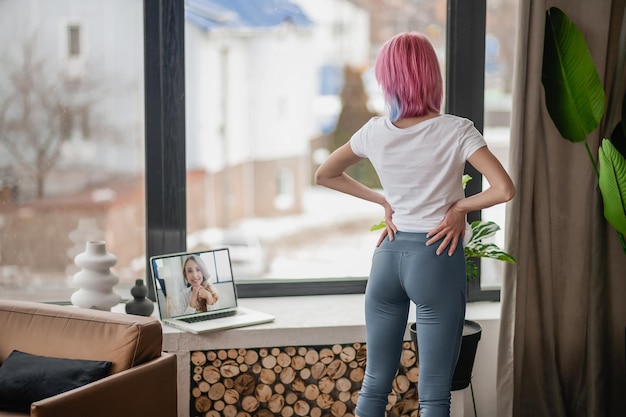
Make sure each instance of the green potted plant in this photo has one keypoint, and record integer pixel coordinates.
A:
(575, 100)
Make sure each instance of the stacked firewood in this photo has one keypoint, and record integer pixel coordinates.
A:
(320, 381)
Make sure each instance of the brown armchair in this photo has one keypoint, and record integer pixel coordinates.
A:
(141, 380)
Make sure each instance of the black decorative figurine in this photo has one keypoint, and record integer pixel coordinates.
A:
(139, 305)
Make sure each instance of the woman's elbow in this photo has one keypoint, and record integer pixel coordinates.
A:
(508, 192)
(320, 177)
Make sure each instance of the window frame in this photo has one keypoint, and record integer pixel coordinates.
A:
(165, 177)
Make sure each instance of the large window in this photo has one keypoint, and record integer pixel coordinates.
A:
(71, 141)
(241, 106)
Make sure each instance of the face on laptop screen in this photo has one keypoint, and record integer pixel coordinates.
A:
(193, 282)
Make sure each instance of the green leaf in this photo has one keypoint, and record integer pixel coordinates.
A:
(377, 226)
(482, 230)
(465, 179)
(574, 93)
(612, 184)
(476, 248)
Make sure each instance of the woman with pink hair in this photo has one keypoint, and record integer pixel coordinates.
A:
(419, 155)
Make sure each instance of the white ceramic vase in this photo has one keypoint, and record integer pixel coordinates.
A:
(95, 279)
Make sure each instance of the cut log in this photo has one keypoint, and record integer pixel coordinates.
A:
(204, 386)
(276, 403)
(326, 385)
(301, 408)
(343, 384)
(357, 374)
(245, 384)
(269, 362)
(231, 396)
(305, 373)
(298, 362)
(408, 358)
(264, 413)
(311, 357)
(216, 392)
(198, 358)
(318, 370)
(311, 392)
(291, 398)
(338, 409)
(336, 369)
(348, 354)
(229, 369)
(229, 411)
(263, 393)
(211, 374)
(325, 401)
(287, 411)
(298, 386)
(287, 375)
(361, 356)
(279, 388)
(283, 359)
(267, 376)
(326, 356)
(249, 403)
(251, 357)
(401, 384)
(203, 404)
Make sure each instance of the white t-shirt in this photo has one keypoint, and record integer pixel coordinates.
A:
(420, 167)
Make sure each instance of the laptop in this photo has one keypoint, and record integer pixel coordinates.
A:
(196, 292)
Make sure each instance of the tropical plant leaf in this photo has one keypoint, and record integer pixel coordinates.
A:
(378, 226)
(488, 250)
(465, 179)
(476, 248)
(574, 93)
(612, 184)
(482, 230)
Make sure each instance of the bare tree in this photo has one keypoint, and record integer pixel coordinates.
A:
(39, 111)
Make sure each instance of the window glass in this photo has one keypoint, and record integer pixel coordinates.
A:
(499, 55)
(71, 142)
(268, 96)
(267, 99)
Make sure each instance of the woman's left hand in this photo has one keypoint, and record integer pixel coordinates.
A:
(390, 228)
(451, 230)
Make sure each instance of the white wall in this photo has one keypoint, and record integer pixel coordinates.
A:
(485, 365)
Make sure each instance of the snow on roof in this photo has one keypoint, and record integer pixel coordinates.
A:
(244, 14)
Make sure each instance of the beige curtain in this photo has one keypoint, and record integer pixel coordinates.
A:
(563, 322)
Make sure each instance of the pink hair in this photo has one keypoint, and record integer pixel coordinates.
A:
(408, 71)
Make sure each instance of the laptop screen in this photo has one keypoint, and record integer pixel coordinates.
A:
(193, 282)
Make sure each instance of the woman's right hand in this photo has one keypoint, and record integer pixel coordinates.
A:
(206, 294)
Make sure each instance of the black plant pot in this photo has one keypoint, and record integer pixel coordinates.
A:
(469, 344)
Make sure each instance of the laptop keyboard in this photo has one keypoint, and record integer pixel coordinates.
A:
(206, 317)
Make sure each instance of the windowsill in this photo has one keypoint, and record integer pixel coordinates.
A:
(304, 320)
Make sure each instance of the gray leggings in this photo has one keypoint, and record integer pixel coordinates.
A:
(402, 271)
